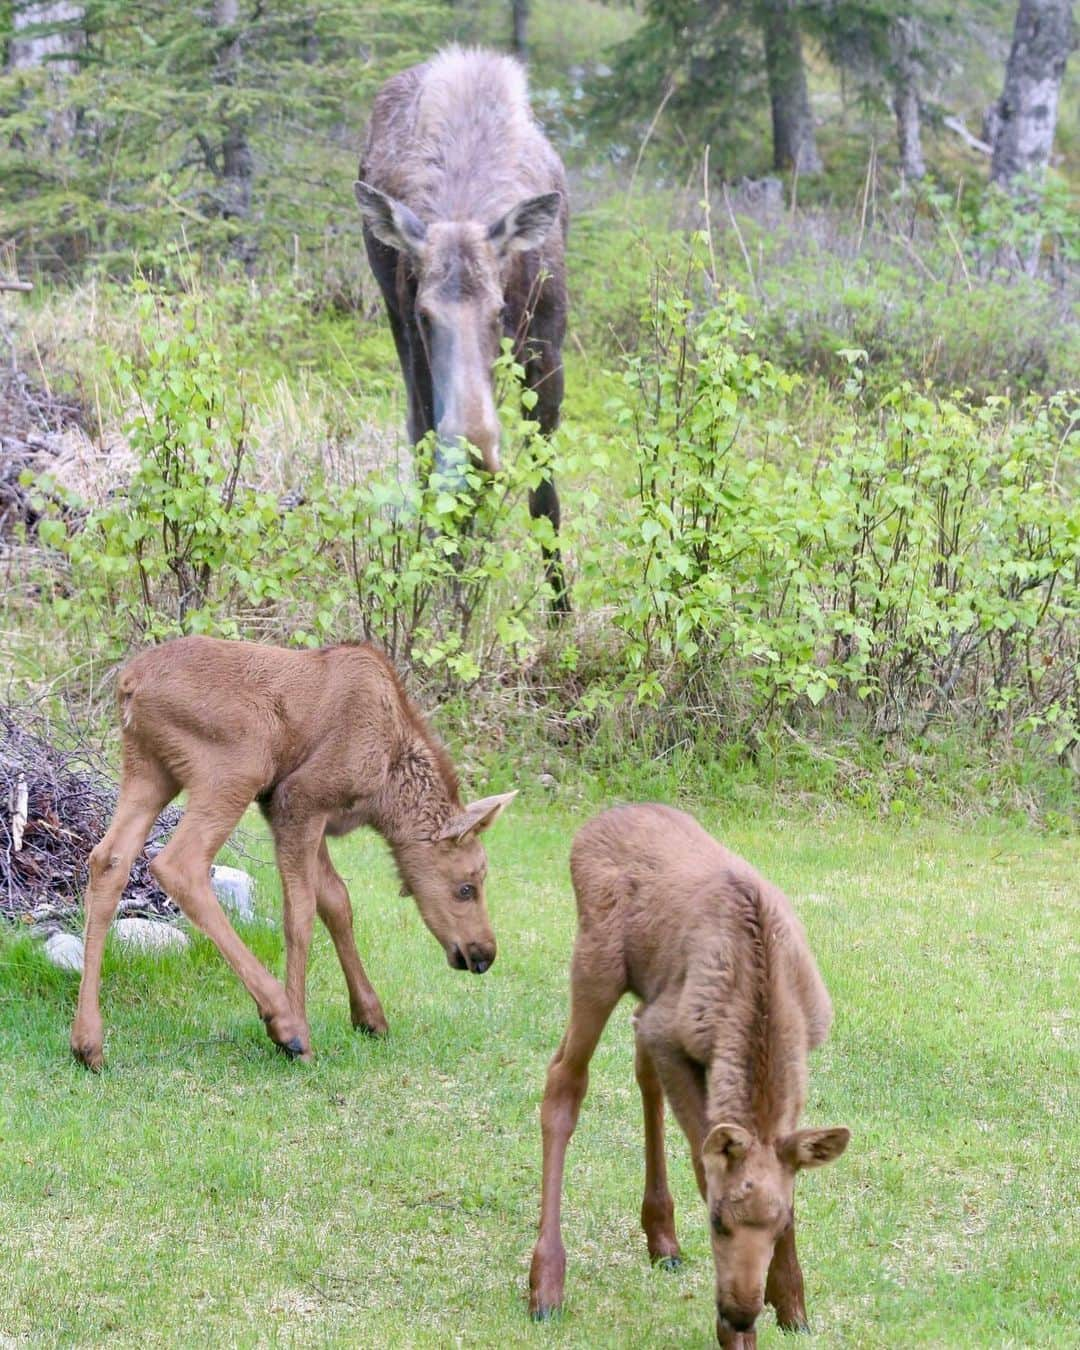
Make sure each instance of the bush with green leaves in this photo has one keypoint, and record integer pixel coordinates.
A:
(915, 569)
(190, 545)
(923, 567)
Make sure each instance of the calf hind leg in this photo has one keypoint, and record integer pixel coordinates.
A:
(144, 793)
(335, 910)
(183, 870)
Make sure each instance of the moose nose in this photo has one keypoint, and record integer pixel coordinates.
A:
(737, 1318)
(481, 957)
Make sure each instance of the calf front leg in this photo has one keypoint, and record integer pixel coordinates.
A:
(567, 1082)
(657, 1206)
(297, 846)
(335, 910)
(784, 1284)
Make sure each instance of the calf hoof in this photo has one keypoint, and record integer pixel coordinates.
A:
(371, 1023)
(89, 1055)
(792, 1325)
(290, 1035)
(669, 1263)
(545, 1312)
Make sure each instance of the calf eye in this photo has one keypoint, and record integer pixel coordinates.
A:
(466, 891)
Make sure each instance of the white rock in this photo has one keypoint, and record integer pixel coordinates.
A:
(65, 951)
(235, 889)
(148, 936)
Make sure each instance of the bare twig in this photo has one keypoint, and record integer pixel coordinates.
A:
(742, 245)
(972, 141)
(648, 136)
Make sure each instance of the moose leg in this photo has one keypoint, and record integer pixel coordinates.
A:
(544, 376)
(567, 1080)
(297, 848)
(657, 1206)
(335, 910)
(784, 1284)
(684, 1087)
(182, 869)
(144, 793)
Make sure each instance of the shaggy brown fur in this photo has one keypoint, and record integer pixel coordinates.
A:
(465, 216)
(731, 1004)
(324, 741)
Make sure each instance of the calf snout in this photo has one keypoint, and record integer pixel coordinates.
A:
(736, 1316)
(481, 956)
(474, 956)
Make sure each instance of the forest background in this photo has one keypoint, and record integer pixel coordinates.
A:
(818, 458)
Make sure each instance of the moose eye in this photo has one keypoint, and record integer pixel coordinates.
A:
(466, 891)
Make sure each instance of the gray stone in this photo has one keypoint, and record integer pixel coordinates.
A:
(148, 936)
(65, 951)
(235, 889)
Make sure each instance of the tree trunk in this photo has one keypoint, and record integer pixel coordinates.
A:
(1027, 110)
(56, 48)
(237, 167)
(58, 44)
(519, 39)
(903, 38)
(793, 124)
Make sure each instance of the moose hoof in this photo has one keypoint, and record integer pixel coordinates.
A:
(371, 1024)
(545, 1312)
(371, 1028)
(290, 1035)
(90, 1056)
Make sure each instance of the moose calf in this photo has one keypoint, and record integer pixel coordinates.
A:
(324, 741)
(730, 1005)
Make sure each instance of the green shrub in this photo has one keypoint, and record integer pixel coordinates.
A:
(914, 570)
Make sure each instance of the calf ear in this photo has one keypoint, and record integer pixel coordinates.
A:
(390, 221)
(812, 1148)
(526, 225)
(726, 1144)
(477, 816)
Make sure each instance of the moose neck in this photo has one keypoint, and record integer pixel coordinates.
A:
(419, 793)
(743, 1081)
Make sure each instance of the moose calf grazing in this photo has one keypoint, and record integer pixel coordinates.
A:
(324, 741)
(731, 1003)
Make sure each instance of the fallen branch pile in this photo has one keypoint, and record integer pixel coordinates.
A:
(67, 800)
(31, 424)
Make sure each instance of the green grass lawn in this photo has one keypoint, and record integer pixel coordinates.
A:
(204, 1190)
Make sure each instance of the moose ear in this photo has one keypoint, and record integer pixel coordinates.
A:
(726, 1144)
(526, 225)
(477, 816)
(812, 1148)
(390, 221)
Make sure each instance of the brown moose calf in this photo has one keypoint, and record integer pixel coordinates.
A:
(730, 1005)
(324, 741)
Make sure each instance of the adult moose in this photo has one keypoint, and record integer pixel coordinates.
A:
(465, 216)
(730, 1005)
(324, 741)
